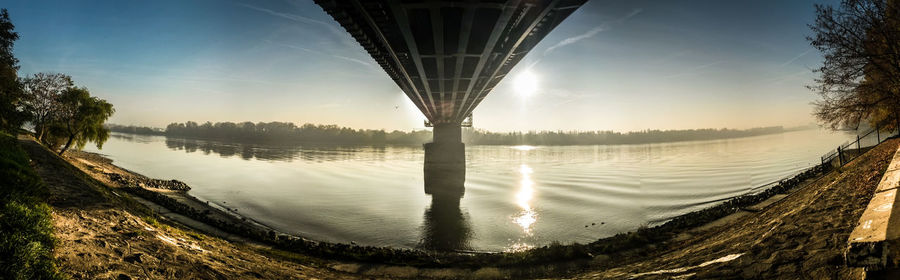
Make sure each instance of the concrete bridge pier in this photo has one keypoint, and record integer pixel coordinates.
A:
(445, 161)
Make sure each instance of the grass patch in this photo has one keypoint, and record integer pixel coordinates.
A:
(151, 220)
(26, 231)
(291, 256)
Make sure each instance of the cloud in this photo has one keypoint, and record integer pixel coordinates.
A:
(593, 32)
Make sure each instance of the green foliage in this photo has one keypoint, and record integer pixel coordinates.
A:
(12, 114)
(42, 93)
(26, 231)
(80, 119)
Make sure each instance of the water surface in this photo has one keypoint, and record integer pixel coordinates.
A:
(515, 196)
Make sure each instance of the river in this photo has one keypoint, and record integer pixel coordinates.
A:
(516, 197)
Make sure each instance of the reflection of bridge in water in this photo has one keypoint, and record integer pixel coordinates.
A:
(448, 55)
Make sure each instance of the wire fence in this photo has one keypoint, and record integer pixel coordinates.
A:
(848, 151)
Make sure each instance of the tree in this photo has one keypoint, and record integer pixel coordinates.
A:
(12, 114)
(80, 118)
(42, 99)
(860, 77)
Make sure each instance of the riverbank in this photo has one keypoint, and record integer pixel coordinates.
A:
(103, 233)
(570, 256)
(617, 253)
(802, 236)
(26, 229)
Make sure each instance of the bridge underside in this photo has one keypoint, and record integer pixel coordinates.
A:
(448, 55)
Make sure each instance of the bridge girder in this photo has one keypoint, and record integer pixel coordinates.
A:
(448, 55)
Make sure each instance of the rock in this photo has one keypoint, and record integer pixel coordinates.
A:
(170, 185)
(787, 269)
(600, 259)
(754, 270)
(786, 256)
(136, 258)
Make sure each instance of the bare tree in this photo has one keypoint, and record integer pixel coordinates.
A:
(42, 98)
(859, 80)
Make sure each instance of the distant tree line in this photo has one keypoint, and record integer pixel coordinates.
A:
(61, 113)
(482, 137)
(285, 132)
(131, 129)
(288, 132)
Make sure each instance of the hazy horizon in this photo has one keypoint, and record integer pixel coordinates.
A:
(798, 126)
(618, 66)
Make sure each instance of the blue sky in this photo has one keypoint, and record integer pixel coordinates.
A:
(612, 65)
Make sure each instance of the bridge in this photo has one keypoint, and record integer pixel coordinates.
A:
(448, 55)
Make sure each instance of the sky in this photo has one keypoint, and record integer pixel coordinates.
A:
(612, 65)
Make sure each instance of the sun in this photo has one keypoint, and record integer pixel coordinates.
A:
(526, 83)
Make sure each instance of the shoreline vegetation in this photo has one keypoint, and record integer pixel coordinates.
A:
(285, 132)
(641, 241)
(27, 240)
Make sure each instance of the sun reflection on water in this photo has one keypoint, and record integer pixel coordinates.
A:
(527, 217)
(524, 147)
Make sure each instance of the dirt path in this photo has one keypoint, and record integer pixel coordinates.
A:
(102, 234)
(800, 237)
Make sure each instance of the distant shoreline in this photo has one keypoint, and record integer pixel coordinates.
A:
(288, 134)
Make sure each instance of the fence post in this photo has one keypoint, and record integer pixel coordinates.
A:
(877, 135)
(857, 143)
(840, 157)
(897, 117)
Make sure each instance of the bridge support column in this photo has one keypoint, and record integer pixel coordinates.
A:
(445, 161)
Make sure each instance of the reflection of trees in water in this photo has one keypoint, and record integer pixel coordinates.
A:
(144, 139)
(445, 227)
(247, 151)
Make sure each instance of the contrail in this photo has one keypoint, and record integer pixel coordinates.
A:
(795, 58)
(594, 31)
(298, 18)
(322, 53)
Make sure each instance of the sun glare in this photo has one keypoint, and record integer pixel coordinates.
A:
(527, 217)
(526, 83)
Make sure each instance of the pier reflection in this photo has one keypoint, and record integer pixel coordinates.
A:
(446, 226)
